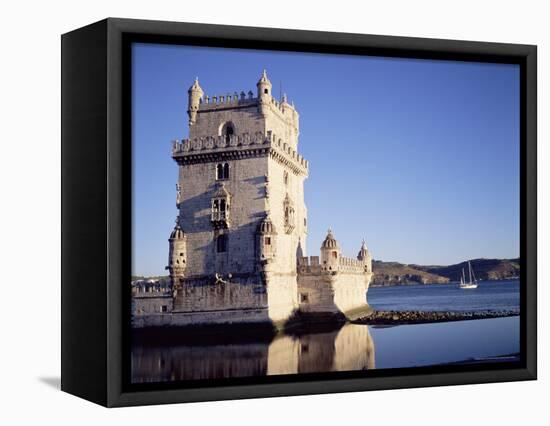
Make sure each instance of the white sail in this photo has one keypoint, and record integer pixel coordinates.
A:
(472, 283)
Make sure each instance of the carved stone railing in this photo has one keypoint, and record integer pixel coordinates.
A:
(311, 265)
(348, 264)
(280, 150)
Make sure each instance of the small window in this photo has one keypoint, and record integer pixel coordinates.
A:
(221, 243)
(267, 241)
(305, 221)
(304, 298)
(222, 171)
(181, 254)
(266, 91)
(335, 255)
(285, 178)
(164, 308)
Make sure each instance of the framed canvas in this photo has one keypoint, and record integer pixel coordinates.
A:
(202, 166)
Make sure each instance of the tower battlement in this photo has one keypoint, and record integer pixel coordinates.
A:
(245, 144)
(207, 103)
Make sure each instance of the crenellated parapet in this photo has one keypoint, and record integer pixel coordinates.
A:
(311, 265)
(231, 100)
(215, 148)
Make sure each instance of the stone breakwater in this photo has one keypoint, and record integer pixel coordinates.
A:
(419, 317)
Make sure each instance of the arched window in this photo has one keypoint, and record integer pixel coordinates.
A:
(221, 243)
(227, 131)
(226, 171)
(285, 177)
(222, 171)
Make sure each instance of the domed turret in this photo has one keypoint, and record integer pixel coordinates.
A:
(266, 238)
(330, 252)
(177, 255)
(363, 251)
(195, 96)
(177, 233)
(266, 226)
(264, 93)
(329, 242)
(365, 256)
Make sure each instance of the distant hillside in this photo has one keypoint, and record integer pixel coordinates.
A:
(485, 269)
(394, 273)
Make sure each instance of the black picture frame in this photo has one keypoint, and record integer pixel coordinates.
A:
(96, 209)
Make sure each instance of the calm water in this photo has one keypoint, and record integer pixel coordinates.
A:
(490, 295)
(351, 347)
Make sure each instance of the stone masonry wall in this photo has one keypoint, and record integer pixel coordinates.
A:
(205, 295)
(247, 206)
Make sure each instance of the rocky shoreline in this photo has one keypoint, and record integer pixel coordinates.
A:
(420, 317)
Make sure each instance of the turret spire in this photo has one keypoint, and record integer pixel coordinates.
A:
(264, 93)
(195, 96)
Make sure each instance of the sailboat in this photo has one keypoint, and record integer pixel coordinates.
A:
(472, 283)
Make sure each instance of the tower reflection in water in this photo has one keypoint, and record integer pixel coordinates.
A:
(346, 349)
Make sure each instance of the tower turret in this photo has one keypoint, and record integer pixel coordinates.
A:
(266, 237)
(330, 252)
(195, 96)
(177, 255)
(365, 257)
(264, 93)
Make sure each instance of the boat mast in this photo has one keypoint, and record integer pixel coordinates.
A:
(470, 271)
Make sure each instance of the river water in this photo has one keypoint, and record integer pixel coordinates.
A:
(351, 347)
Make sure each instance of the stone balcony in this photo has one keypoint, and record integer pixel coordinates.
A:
(214, 148)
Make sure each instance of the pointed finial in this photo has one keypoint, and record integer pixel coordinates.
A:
(263, 78)
(285, 98)
(196, 86)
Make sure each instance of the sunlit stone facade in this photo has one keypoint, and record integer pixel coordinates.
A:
(238, 251)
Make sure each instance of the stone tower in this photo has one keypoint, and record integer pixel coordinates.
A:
(241, 202)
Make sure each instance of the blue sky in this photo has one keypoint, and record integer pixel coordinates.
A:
(419, 157)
